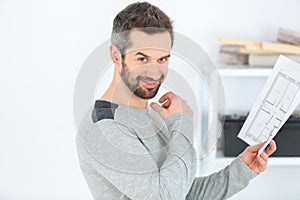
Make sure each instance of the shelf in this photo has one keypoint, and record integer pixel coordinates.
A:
(211, 165)
(273, 161)
(245, 72)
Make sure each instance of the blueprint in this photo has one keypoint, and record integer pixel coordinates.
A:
(276, 102)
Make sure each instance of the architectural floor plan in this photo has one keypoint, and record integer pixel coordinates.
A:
(276, 102)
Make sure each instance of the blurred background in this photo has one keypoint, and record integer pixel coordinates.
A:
(43, 45)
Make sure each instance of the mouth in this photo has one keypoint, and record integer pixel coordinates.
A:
(150, 84)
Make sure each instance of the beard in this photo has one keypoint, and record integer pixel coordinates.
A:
(133, 83)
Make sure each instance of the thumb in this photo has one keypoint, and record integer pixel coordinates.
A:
(157, 108)
(256, 147)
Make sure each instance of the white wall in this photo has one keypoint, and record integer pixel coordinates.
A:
(43, 44)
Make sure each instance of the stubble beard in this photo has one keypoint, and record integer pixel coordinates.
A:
(134, 84)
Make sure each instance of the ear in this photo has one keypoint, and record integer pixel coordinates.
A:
(115, 55)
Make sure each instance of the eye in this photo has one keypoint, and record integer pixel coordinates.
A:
(162, 60)
(142, 59)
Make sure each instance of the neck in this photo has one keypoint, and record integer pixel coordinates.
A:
(118, 92)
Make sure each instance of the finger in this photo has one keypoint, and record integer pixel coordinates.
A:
(271, 148)
(157, 108)
(167, 96)
(264, 156)
(262, 163)
(166, 104)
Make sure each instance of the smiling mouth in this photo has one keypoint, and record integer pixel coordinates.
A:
(150, 84)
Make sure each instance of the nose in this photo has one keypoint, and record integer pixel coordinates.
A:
(156, 71)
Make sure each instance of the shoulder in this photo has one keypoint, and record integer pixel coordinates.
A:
(103, 110)
(99, 131)
(113, 145)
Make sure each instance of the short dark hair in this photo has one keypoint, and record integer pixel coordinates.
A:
(141, 15)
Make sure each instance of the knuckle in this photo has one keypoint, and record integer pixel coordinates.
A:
(172, 94)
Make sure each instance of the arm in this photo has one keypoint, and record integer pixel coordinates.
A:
(223, 184)
(133, 171)
(233, 178)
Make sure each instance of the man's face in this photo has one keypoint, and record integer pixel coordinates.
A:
(145, 63)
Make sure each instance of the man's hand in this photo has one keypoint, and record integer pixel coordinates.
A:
(256, 163)
(172, 104)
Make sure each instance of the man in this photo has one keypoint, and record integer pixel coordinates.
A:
(128, 150)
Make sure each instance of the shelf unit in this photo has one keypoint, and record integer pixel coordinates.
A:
(215, 161)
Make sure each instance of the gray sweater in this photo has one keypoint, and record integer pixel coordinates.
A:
(132, 153)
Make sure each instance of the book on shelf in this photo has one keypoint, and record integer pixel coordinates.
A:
(229, 54)
(268, 60)
(254, 47)
(233, 59)
(229, 48)
(288, 36)
(260, 53)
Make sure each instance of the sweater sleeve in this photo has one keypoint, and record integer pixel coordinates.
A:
(223, 184)
(113, 151)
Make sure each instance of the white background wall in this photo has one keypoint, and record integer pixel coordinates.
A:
(43, 44)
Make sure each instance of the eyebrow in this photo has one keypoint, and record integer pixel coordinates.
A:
(140, 53)
(167, 56)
